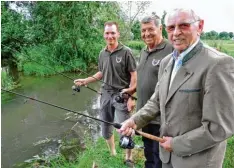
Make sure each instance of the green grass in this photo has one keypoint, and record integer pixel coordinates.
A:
(96, 152)
(229, 156)
(226, 46)
(100, 154)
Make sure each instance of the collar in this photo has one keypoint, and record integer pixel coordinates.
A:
(158, 47)
(188, 53)
(119, 47)
(176, 54)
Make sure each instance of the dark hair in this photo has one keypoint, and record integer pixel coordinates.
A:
(110, 23)
(148, 19)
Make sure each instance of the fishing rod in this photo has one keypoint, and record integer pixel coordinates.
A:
(116, 125)
(94, 77)
(75, 88)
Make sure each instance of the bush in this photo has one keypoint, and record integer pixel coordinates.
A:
(138, 45)
(42, 60)
(6, 81)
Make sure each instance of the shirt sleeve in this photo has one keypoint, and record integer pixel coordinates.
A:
(131, 62)
(100, 65)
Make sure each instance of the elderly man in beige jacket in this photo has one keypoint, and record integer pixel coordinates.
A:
(194, 98)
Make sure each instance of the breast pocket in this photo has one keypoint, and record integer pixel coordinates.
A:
(195, 99)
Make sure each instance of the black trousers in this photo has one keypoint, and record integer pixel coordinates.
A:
(152, 147)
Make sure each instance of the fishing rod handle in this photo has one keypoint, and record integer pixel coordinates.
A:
(149, 136)
(146, 135)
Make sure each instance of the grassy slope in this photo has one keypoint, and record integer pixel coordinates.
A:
(99, 154)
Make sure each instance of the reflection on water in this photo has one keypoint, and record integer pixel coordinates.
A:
(26, 122)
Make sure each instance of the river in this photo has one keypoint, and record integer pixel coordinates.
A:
(26, 123)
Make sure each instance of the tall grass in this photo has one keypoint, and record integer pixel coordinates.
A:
(6, 81)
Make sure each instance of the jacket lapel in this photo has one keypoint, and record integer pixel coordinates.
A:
(165, 81)
(182, 76)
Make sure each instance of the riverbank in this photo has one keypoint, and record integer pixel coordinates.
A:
(97, 155)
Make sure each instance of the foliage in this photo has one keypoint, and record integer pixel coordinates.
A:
(136, 30)
(12, 32)
(6, 81)
(7, 84)
(213, 35)
(229, 156)
(164, 32)
(224, 35)
(131, 16)
(65, 31)
(138, 45)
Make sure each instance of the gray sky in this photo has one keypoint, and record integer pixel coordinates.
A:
(217, 14)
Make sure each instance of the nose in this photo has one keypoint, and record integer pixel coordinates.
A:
(177, 31)
(147, 33)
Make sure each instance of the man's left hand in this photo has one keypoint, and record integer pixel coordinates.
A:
(167, 143)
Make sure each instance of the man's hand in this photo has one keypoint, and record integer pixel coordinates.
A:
(128, 91)
(167, 143)
(131, 104)
(128, 127)
(80, 82)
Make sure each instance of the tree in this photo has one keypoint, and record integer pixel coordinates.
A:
(164, 32)
(136, 30)
(224, 35)
(68, 31)
(231, 35)
(131, 12)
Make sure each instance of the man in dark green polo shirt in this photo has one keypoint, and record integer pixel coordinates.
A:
(147, 77)
(117, 68)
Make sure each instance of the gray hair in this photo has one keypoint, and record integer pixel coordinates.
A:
(193, 15)
(148, 19)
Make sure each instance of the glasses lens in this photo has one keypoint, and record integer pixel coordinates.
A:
(170, 28)
(184, 26)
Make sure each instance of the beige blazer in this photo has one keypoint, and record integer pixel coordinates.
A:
(197, 111)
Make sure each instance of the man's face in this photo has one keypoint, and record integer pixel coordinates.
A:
(151, 34)
(111, 34)
(183, 30)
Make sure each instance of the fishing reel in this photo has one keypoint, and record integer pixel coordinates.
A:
(76, 88)
(121, 97)
(126, 142)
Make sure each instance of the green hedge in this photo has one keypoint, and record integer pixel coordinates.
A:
(137, 45)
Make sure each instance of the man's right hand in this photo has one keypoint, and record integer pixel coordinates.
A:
(128, 127)
(81, 82)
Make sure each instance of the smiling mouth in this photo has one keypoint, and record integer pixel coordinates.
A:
(148, 39)
(178, 41)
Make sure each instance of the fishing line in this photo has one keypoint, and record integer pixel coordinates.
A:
(116, 125)
(93, 77)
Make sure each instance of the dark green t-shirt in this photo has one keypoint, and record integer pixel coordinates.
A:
(147, 71)
(116, 67)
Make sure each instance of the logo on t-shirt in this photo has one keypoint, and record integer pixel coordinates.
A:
(118, 59)
(155, 62)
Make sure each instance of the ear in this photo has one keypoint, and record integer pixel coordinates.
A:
(200, 26)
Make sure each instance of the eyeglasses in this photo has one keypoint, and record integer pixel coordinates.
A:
(181, 26)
